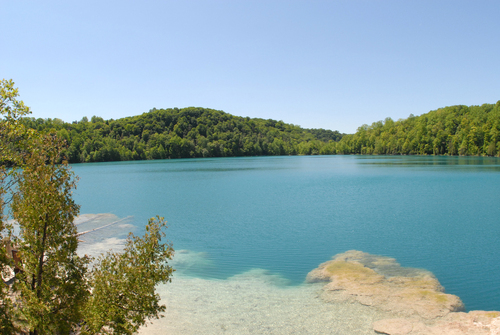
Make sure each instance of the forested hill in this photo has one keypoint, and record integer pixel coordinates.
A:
(455, 130)
(200, 132)
(183, 133)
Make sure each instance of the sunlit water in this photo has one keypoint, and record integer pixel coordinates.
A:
(286, 215)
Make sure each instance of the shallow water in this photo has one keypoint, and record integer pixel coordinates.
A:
(255, 302)
(286, 215)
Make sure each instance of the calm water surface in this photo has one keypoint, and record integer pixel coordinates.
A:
(289, 214)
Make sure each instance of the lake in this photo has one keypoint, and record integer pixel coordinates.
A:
(231, 217)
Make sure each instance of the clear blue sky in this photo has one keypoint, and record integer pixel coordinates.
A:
(317, 64)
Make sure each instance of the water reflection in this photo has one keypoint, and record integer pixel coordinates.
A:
(464, 163)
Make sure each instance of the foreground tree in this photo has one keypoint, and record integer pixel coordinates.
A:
(54, 290)
(51, 282)
(123, 284)
(12, 138)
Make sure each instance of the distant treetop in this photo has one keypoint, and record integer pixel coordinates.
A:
(184, 133)
(202, 132)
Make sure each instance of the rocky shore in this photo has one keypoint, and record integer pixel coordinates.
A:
(414, 297)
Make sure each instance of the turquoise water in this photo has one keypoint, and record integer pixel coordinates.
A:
(289, 214)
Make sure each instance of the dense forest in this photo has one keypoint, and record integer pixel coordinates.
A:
(455, 130)
(184, 133)
(200, 132)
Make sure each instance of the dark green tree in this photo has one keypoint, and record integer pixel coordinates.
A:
(53, 289)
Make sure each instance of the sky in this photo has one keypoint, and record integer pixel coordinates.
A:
(318, 64)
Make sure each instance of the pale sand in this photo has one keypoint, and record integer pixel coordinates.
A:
(255, 302)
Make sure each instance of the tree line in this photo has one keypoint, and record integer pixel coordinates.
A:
(183, 133)
(200, 132)
(455, 130)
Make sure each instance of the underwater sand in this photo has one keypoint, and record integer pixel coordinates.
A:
(254, 302)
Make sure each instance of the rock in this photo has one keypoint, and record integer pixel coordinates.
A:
(382, 282)
(414, 297)
(472, 323)
(393, 326)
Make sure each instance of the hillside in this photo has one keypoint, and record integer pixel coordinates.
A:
(455, 130)
(184, 133)
(200, 132)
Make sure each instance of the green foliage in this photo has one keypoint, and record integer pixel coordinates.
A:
(53, 291)
(11, 108)
(184, 133)
(123, 294)
(52, 281)
(325, 135)
(13, 138)
(455, 130)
